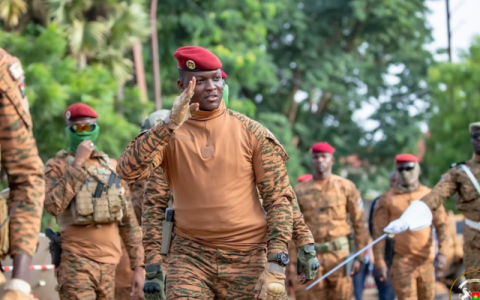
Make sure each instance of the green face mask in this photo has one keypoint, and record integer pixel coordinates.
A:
(225, 94)
(74, 138)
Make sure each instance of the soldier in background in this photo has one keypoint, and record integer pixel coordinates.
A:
(123, 274)
(328, 203)
(463, 179)
(412, 270)
(91, 235)
(24, 170)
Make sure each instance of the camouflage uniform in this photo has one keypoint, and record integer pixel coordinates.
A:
(326, 209)
(20, 160)
(23, 166)
(148, 152)
(123, 273)
(81, 277)
(412, 269)
(457, 181)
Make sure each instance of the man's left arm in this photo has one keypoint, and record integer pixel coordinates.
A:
(269, 160)
(301, 234)
(355, 210)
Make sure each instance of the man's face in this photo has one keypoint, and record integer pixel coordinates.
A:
(475, 140)
(208, 91)
(322, 162)
(394, 179)
(409, 173)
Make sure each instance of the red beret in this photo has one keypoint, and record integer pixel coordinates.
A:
(224, 75)
(322, 147)
(192, 58)
(78, 111)
(405, 157)
(305, 177)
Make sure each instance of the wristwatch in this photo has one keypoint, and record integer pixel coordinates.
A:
(281, 258)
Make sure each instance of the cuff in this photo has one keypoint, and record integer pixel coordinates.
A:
(77, 174)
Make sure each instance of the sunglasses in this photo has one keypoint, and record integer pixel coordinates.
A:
(79, 128)
(475, 135)
(406, 167)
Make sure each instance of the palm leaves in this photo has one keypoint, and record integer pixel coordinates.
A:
(11, 11)
(102, 31)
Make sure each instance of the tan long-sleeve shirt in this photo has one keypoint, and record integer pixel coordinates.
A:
(213, 164)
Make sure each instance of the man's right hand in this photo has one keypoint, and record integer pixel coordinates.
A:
(84, 151)
(182, 110)
(154, 287)
(382, 274)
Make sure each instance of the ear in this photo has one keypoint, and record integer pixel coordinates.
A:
(180, 85)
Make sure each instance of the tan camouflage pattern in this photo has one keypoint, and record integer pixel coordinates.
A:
(136, 194)
(199, 272)
(456, 181)
(157, 196)
(63, 182)
(145, 154)
(418, 244)
(468, 203)
(328, 210)
(337, 286)
(123, 293)
(412, 279)
(19, 158)
(80, 278)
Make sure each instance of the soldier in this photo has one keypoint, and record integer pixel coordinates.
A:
(462, 178)
(123, 274)
(214, 159)
(412, 270)
(94, 213)
(326, 200)
(24, 170)
(385, 290)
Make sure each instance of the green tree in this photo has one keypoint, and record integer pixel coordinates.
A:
(455, 104)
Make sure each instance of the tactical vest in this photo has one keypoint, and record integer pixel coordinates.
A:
(101, 198)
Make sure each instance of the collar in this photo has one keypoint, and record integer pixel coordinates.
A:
(202, 115)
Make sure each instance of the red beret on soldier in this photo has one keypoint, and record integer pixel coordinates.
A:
(305, 177)
(79, 111)
(406, 158)
(322, 147)
(193, 58)
(224, 75)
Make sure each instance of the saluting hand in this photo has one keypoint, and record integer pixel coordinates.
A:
(182, 110)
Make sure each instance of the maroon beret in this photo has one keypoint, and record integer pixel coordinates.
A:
(224, 75)
(193, 58)
(322, 147)
(78, 111)
(405, 157)
(305, 177)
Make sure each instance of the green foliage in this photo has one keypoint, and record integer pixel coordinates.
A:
(455, 104)
(53, 82)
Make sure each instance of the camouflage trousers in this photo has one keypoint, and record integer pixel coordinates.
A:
(199, 272)
(80, 278)
(413, 279)
(337, 286)
(471, 252)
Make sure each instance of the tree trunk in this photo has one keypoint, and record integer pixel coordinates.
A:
(293, 108)
(156, 60)
(324, 101)
(139, 71)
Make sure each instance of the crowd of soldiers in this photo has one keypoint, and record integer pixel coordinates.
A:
(200, 206)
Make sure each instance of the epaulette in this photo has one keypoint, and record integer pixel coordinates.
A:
(457, 164)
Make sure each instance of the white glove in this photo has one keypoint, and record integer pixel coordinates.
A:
(396, 226)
